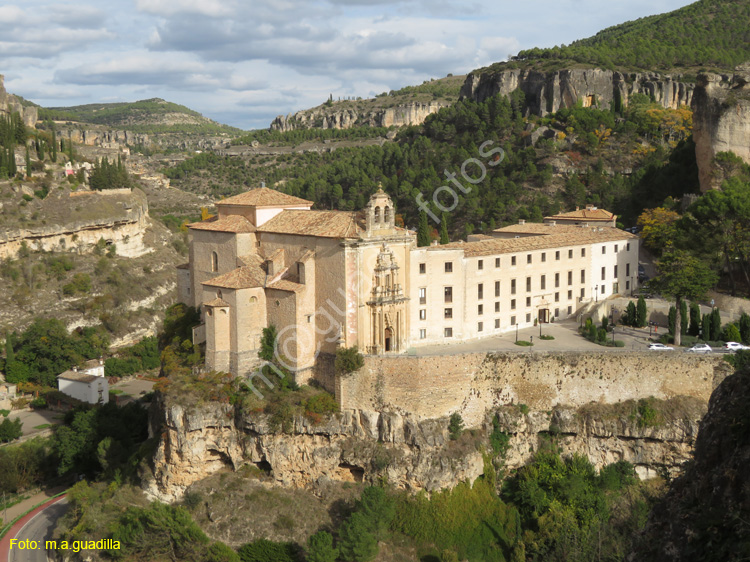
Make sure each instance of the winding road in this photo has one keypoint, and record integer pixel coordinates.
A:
(39, 528)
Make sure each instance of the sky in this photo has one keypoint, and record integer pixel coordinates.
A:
(243, 62)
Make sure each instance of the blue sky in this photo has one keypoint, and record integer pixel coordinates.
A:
(242, 62)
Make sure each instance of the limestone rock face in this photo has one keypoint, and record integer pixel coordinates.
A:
(546, 92)
(333, 118)
(721, 121)
(10, 103)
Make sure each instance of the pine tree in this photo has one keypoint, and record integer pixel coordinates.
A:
(320, 548)
(423, 230)
(631, 314)
(444, 239)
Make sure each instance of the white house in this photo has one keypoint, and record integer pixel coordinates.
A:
(87, 384)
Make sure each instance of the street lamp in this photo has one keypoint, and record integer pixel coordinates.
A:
(516, 333)
(613, 334)
(596, 293)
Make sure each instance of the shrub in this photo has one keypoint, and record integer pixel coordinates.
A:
(322, 403)
(10, 430)
(320, 548)
(348, 360)
(455, 426)
(264, 550)
(499, 440)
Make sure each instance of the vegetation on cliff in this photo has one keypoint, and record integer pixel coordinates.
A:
(708, 34)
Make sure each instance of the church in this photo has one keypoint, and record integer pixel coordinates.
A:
(329, 279)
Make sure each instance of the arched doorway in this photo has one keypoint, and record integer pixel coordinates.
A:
(388, 339)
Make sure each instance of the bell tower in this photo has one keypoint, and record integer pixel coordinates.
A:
(380, 215)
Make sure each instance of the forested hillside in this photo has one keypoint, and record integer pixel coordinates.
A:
(709, 34)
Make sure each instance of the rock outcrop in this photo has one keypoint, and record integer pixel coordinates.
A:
(360, 445)
(76, 221)
(332, 118)
(705, 514)
(546, 92)
(721, 121)
(10, 103)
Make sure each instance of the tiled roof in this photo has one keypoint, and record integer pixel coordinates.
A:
(265, 197)
(556, 237)
(216, 302)
(584, 214)
(91, 364)
(232, 223)
(325, 224)
(184, 266)
(284, 285)
(77, 376)
(241, 278)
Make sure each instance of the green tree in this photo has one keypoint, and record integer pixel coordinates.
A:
(455, 426)
(356, 541)
(268, 343)
(695, 319)
(706, 327)
(685, 319)
(28, 162)
(423, 230)
(348, 360)
(732, 333)
(320, 548)
(671, 319)
(683, 276)
(444, 238)
(715, 324)
(642, 313)
(379, 510)
(10, 430)
(745, 327)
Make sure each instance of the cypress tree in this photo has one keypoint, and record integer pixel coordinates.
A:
(444, 239)
(715, 325)
(53, 146)
(423, 230)
(684, 318)
(706, 327)
(695, 319)
(642, 313)
(671, 319)
(745, 327)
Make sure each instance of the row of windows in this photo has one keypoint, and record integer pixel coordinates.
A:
(448, 266)
(448, 331)
(448, 312)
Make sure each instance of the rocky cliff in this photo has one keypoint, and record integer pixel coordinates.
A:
(10, 103)
(103, 137)
(76, 221)
(721, 121)
(359, 445)
(323, 117)
(705, 515)
(546, 92)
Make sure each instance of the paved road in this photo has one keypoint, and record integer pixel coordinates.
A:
(31, 419)
(39, 529)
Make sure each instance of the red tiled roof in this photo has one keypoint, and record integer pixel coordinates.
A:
(325, 224)
(584, 214)
(265, 197)
(232, 223)
(216, 302)
(241, 278)
(284, 285)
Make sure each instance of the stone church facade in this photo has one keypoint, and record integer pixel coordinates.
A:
(330, 279)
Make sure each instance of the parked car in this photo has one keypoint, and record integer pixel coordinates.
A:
(700, 348)
(659, 347)
(734, 346)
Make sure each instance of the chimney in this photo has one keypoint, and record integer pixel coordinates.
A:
(521, 221)
(263, 184)
(552, 223)
(75, 369)
(577, 207)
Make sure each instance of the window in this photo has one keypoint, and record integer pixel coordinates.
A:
(377, 214)
(513, 260)
(512, 320)
(627, 246)
(512, 286)
(497, 288)
(583, 292)
(557, 313)
(528, 284)
(448, 313)
(480, 291)
(627, 270)
(627, 285)
(604, 250)
(570, 295)
(616, 247)
(528, 258)
(512, 304)
(544, 257)
(448, 294)
(528, 302)
(480, 309)
(557, 280)
(528, 318)
(423, 314)
(422, 334)
(615, 272)
(423, 295)
(557, 255)
(448, 332)
(604, 273)
(422, 268)
(543, 284)
(570, 277)
(309, 318)
(557, 297)
(497, 262)
(570, 310)
(480, 265)
(497, 323)
(602, 291)
(570, 254)
(386, 215)
(583, 252)
(583, 276)
(497, 306)
(480, 326)
(449, 267)
(214, 261)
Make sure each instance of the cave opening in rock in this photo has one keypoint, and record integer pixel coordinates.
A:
(265, 466)
(351, 473)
